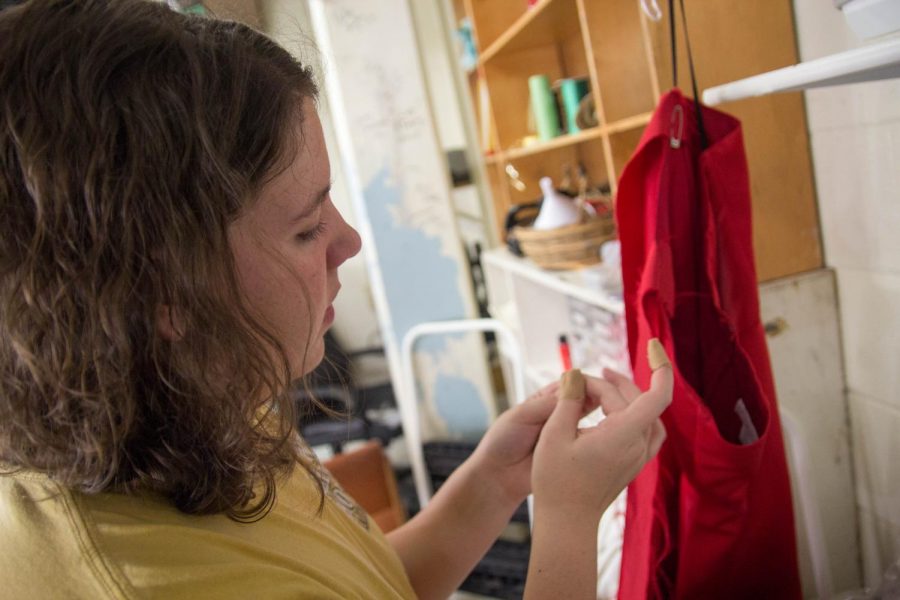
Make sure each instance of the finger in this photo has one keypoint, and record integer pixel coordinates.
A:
(590, 405)
(625, 385)
(663, 381)
(650, 405)
(591, 401)
(647, 407)
(567, 413)
(547, 390)
(656, 355)
(537, 408)
(571, 385)
(657, 437)
(604, 392)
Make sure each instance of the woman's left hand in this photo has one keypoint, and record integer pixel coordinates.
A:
(505, 453)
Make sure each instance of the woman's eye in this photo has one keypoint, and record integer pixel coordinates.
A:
(312, 234)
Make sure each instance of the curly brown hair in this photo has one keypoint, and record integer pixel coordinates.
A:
(131, 136)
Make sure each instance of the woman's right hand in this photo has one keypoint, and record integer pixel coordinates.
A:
(579, 472)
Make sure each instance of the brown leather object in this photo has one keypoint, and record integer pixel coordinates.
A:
(366, 475)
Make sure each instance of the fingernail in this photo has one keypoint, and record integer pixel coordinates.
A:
(656, 355)
(571, 385)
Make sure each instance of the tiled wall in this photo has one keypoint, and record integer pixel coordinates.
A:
(855, 137)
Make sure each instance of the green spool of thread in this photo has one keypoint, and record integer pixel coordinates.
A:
(543, 105)
(572, 91)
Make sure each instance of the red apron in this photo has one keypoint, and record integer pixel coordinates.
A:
(711, 516)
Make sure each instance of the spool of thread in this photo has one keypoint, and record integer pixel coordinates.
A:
(572, 91)
(543, 105)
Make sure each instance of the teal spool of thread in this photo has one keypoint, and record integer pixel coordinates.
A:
(572, 91)
(543, 105)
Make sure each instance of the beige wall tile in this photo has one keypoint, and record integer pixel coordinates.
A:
(869, 548)
(855, 139)
(821, 29)
(877, 459)
(868, 103)
(870, 322)
(888, 543)
(880, 541)
(876, 445)
(858, 185)
(806, 364)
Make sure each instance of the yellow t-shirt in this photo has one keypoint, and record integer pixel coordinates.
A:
(56, 543)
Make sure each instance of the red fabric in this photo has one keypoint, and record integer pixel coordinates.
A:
(709, 517)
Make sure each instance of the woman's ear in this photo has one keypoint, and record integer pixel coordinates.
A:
(168, 323)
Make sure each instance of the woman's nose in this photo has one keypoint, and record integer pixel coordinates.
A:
(346, 244)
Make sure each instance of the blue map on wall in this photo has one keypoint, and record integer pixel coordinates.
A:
(421, 284)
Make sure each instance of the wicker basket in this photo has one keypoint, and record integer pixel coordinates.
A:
(569, 247)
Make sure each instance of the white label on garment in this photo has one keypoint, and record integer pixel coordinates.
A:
(748, 433)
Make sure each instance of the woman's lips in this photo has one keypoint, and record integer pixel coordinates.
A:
(329, 312)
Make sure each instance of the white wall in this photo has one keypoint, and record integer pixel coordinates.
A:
(288, 22)
(438, 74)
(439, 62)
(356, 325)
(855, 139)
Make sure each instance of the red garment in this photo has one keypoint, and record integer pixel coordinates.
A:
(709, 518)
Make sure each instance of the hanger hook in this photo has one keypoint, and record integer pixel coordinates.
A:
(676, 126)
(651, 9)
(513, 174)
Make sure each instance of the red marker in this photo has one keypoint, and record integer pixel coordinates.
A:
(564, 354)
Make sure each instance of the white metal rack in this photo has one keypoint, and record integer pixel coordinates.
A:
(408, 401)
(869, 63)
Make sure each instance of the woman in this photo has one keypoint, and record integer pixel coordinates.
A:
(168, 259)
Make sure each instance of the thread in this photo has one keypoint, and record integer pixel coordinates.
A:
(543, 106)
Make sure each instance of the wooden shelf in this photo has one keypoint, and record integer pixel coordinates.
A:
(546, 22)
(629, 123)
(627, 61)
(570, 139)
(557, 142)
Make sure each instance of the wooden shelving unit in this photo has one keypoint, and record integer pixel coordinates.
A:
(547, 22)
(559, 142)
(558, 38)
(626, 59)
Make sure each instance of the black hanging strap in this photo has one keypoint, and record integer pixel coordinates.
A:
(687, 40)
(674, 43)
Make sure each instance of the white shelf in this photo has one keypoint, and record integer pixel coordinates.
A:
(871, 18)
(506, 313)
(869, 63)
(566, 282)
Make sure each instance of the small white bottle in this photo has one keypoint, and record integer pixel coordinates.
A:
(557, 210)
